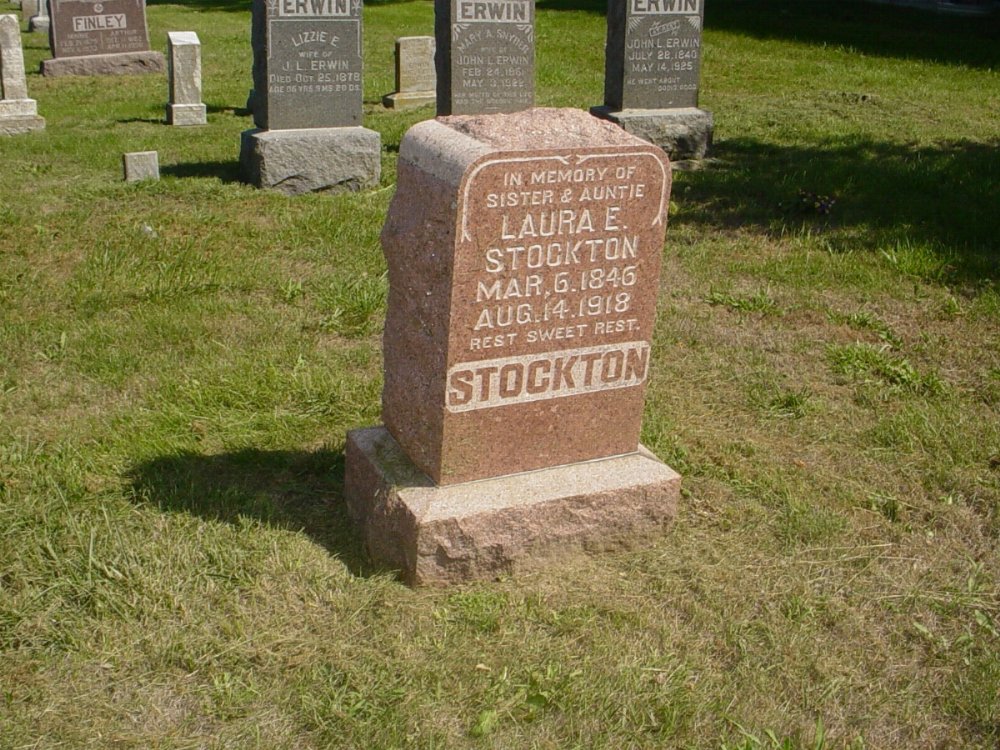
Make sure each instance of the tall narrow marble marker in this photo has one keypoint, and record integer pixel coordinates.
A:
(184, 66)
(18, 113)
(39, 19)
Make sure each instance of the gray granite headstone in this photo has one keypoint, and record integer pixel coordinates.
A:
(100, 38)
(485, 56)
(653, 56)
(306, 100)
(18, 113)
(312, 65)
(184, 67)
(651, 72)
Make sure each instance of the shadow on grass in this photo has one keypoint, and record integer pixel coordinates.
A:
(293, 490)
(224, 171)
(871, 29)
(942, 197)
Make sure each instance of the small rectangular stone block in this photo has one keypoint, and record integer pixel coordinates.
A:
(311, 159)
(121, 64)
(105, 28)
(684, 133)
(186, 114)
(485, 56)
(141, 165)
(501, 526)
(653, 54)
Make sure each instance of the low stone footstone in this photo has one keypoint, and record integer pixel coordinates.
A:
(18, 113)
(485, 56)
(184, 73)
(524, 260)
(141, 165)
(39, 19)
(307, 100)
(106, 38)
(652, 69)
(416, 82)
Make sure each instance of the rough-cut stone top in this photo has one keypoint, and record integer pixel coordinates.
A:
(540, 128)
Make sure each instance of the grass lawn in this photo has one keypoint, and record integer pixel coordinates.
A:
(180, 360)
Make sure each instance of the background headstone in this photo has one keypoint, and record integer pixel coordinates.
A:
(524, 258)
(18, 113)
(306, 100)
(141, 165)
(485, 56)
(29, 8)
(39, 19)
(652, 70)
(313, 66)
(416, 81)
(105, 38)
(184, 69)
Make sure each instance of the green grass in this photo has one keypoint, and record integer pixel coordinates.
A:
(180, 361)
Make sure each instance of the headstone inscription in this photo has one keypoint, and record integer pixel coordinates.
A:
(184, 74)
(652, 69)
(524, 258)
(18, 113)
(38, 18)
(485, 56)
(100, 38)
(307, 100)
(416, 81)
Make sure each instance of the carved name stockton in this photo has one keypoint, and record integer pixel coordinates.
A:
(555, 273)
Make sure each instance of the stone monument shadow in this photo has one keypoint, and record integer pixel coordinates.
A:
(224, 171)
(868, 28)
(290, 490)
(942, 195)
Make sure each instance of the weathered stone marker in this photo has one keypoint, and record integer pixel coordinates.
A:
(485, 56)
(18, 113)
(307, 100)
(416, 82)
(29, 8)
(652, 69)
(184, 68)
(524, 260)
(38, 16)
(141, 165)
(100, 38)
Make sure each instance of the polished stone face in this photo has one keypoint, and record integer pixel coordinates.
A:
(653, 55)
(486, 56)
(523, 282)
(81, 28)
(311, 73)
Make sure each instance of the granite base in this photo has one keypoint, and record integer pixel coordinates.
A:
(39, 23)
(500, 526)
(684, 133)
(311, 160)
(186, 114)
(18, 125)
(408, 99)
(120, 64)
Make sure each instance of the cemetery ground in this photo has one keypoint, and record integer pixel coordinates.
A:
(180, 360)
